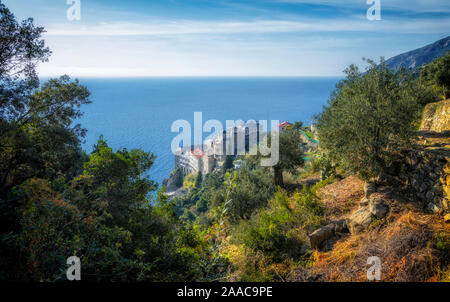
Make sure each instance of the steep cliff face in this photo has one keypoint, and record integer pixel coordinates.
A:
(174, 182)
(436, 117)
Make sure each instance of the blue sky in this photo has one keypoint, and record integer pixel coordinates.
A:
(117, 38)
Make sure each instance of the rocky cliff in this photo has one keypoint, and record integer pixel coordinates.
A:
(436, 117)
(174, 182)
(427, 169)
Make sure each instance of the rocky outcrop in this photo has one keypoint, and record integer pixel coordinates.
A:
(324, 233)
(436, 117)
(174, 182)
(369, 208)
(426, 171)
(359, 220)
(377, 206)
(369, 189)
(320, 235)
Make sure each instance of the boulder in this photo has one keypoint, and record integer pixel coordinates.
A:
(364, 202)
(359, 220)
(369, 189)
(340, 226)
(320, 235)
(317, 237)
(378, 208)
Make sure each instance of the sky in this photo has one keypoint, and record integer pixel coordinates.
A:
(132, 38)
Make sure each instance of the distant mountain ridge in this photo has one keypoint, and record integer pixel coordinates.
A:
(420, 56)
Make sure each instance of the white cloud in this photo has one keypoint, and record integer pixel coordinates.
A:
(167, 28)
(420, 6)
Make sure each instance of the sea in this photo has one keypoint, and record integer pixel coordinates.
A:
(138, 112)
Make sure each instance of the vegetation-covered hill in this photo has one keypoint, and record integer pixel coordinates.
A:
(418, 57)
(370, 189)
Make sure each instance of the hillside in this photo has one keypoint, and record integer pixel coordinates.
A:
(420, 56)
(398, 224)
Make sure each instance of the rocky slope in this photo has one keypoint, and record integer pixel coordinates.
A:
(436, 117)
(403, 219)
(420, 56)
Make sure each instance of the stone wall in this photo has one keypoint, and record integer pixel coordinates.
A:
(436, 117)
(446, 185)
(427, 175)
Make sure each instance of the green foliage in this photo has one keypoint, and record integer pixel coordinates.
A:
(253, 190)
(278, 229)
(271, 231)
(367, 115)
(442, 241)
(115, 181)
(198, 201)
(325, 166)
(228, 163)
(290, 155)
(437, 74)
(55, 201)
(189, 182)
(297, 126)
(36, 122)
(198, 180)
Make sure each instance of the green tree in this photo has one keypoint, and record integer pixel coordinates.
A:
(297, 126)
(115, 182)
(437, 73)
(37, 137)
(253, 190)
(368, 114)
(198, 180)
(291, 155)
(56, 202)
(21, 49)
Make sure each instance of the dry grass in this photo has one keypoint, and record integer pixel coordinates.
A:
(406, 248)
(341, 197)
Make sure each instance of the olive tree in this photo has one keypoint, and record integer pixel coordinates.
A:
(367, 114)
(437, 73)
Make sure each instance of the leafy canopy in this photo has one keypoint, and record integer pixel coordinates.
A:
(368, 114)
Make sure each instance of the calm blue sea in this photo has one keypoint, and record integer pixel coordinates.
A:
(138, 113)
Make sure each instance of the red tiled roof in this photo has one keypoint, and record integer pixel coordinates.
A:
(198, 153)
(284, 124)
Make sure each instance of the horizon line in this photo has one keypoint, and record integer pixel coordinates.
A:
(191, 76)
